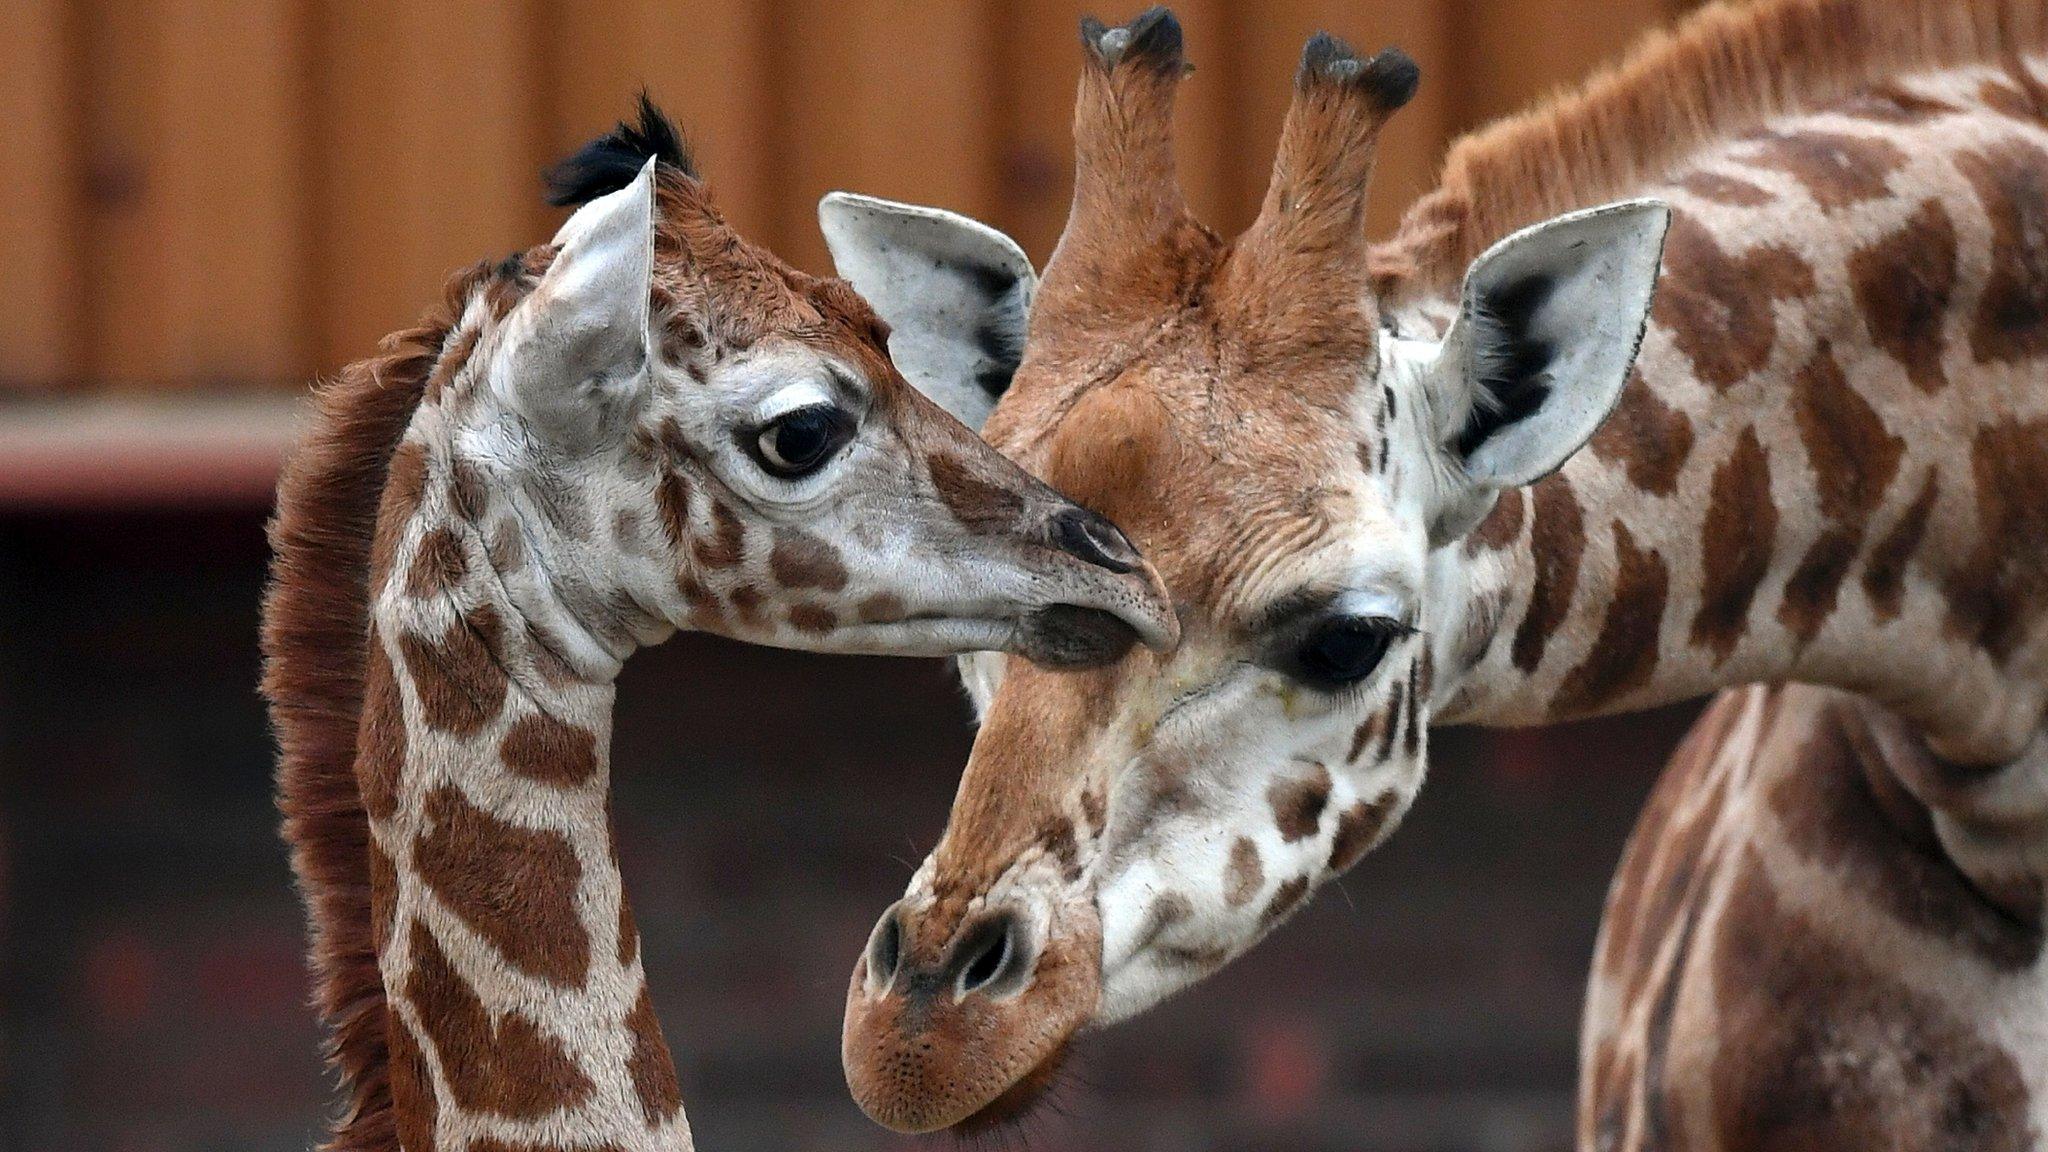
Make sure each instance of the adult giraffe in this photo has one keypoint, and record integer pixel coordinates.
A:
(1827, 467)
(647, 424)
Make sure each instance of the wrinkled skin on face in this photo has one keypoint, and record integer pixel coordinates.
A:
(1293, 464)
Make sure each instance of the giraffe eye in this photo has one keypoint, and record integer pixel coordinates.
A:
(1343, 650)
(799, 442)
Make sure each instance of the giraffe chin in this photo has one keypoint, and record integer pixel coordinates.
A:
(1018, 1100)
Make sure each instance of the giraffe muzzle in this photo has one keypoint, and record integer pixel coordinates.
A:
(968, 1032)
(1105, 596)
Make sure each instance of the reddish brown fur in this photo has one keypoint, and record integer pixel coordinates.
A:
(1298, 804)
(1902, 285)
(1646, 436)
(315, 619)
(516, 887)
(1624, 654)
(652, 1068)
(540, 747)
(1741, 521)
(1718, 306)
(503, 1065)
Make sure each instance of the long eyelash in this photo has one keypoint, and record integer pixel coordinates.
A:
(1396, 632)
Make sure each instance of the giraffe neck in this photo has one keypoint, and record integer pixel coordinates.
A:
(518, 1007)
(1782, 495)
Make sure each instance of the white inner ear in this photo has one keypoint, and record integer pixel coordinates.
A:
(955, 293)
(1583, 283)
(574, 352)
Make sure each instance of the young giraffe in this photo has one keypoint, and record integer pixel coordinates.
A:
(1341, 462)
(646, 425)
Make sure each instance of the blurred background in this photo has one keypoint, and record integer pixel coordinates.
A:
(206, 203)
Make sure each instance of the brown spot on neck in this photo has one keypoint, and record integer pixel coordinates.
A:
(1557, 540)
(1854, 460)
(1903, 285)
(1723, 189)
(1794, 998)
(1893, 103)
(381, 745)
(438, 566)
(1884, 574)
(1719, 308)
(2007, 100)
(459, 680)
(541, 748)
(651, 1067)
(1624, 655)
(1502, 527)
(413, 1102)
(469, 493)
(405, 488)
(1737, 541)
(1838, 170)
(2011, 181)
(1650, 439)
(516, 887)
(1994, 596)
(500, 1065)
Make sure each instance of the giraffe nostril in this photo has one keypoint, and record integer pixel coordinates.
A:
(991, 958)
(986, 963)
(1085, 536)
(885, 949)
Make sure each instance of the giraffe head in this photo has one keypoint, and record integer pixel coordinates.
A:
(651, 424)
(1297, 462)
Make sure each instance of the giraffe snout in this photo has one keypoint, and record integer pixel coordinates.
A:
(1105, 596)
(961, 1027)
(1092, 538)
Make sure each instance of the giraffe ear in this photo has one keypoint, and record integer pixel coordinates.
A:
(574, 357)
(1547, 329)
(955, 292)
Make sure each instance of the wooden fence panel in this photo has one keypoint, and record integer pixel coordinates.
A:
(248, 191)
(226, 280)
(1039, 62)
(706, 63)
(891, 97)
(121, 212)
(430, 158)
(40, 177)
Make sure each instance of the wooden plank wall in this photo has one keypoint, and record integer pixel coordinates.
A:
(243, 193)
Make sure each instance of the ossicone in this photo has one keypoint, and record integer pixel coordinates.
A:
(1387, 81)
(1151, 42)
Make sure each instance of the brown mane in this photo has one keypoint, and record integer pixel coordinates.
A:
(1724, 71)
(315, 623)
